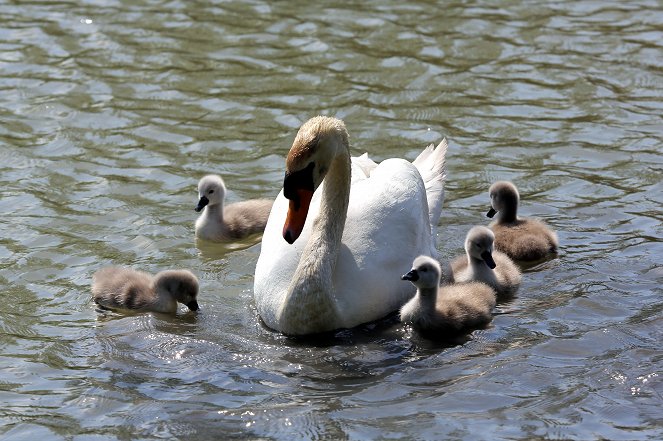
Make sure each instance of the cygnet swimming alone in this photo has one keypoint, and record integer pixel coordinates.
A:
(524, 239)
(124, 288)
(441, 312)
(232, 222)
(483, 264)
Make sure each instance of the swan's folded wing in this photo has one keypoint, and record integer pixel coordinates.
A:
(386, 228)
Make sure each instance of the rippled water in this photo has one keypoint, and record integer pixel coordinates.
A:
(112, 110)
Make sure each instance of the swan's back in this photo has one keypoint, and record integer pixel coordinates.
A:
(387, 225)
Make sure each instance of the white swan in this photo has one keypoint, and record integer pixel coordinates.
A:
(339, 266)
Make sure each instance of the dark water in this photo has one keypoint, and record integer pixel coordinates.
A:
(112, 110)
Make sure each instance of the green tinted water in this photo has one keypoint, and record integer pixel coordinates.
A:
(112, 110)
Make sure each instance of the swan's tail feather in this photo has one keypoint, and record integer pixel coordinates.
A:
(431, 163)
(365, 164)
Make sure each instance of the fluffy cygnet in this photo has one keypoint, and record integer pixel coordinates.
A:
(440, 312)
(124, 288)
(235, 221)
(520, 238)
(482, 264)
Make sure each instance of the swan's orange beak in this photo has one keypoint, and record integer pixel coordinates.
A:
(297, 211)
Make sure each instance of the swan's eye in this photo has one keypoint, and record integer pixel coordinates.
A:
(424, 269)
(210, 192)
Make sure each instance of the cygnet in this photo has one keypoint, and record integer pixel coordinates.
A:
(524, 239)
(442, 312)
(483, 264)
(233, 222)
(124, 288)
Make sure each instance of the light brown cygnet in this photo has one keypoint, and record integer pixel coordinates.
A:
(524, 239)
(124, 288)
(219, 223)
(442, 312)
(482, 264)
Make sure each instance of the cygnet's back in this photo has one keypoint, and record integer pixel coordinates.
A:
(128, 289)
(442, 312)
(467, 305)
(236, 221)
(524, 239)
(481, 263)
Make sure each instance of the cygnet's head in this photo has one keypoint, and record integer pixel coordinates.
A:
(479, 245)
(425, 273)
(182, 285)
(503, 197)
(211, 191)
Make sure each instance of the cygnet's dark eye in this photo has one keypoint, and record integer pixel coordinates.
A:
(210, 192)
(424, 269)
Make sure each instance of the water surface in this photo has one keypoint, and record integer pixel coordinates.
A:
(112, 110)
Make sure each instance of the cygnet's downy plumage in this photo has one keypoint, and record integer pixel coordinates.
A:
(124, 288)
(482, 263)
(232, 222)
(442, 312)
(524, 239)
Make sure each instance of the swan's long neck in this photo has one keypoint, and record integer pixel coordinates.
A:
(309, 306)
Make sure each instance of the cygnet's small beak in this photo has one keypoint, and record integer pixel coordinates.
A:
(491, 212)
(488, 258)
(193, 305)
(411, 275)
(202, 203)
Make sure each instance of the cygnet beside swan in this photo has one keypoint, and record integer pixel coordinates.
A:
(124, 288)
(520, 238)
(439, 312)
(482, 264)
(341, 231)
(232, 222)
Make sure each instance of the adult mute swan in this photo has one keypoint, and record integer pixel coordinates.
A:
(341, 231)
(220, 223)
(124, 288)
(521, 238)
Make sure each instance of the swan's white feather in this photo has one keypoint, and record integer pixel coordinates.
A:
(431, 163)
